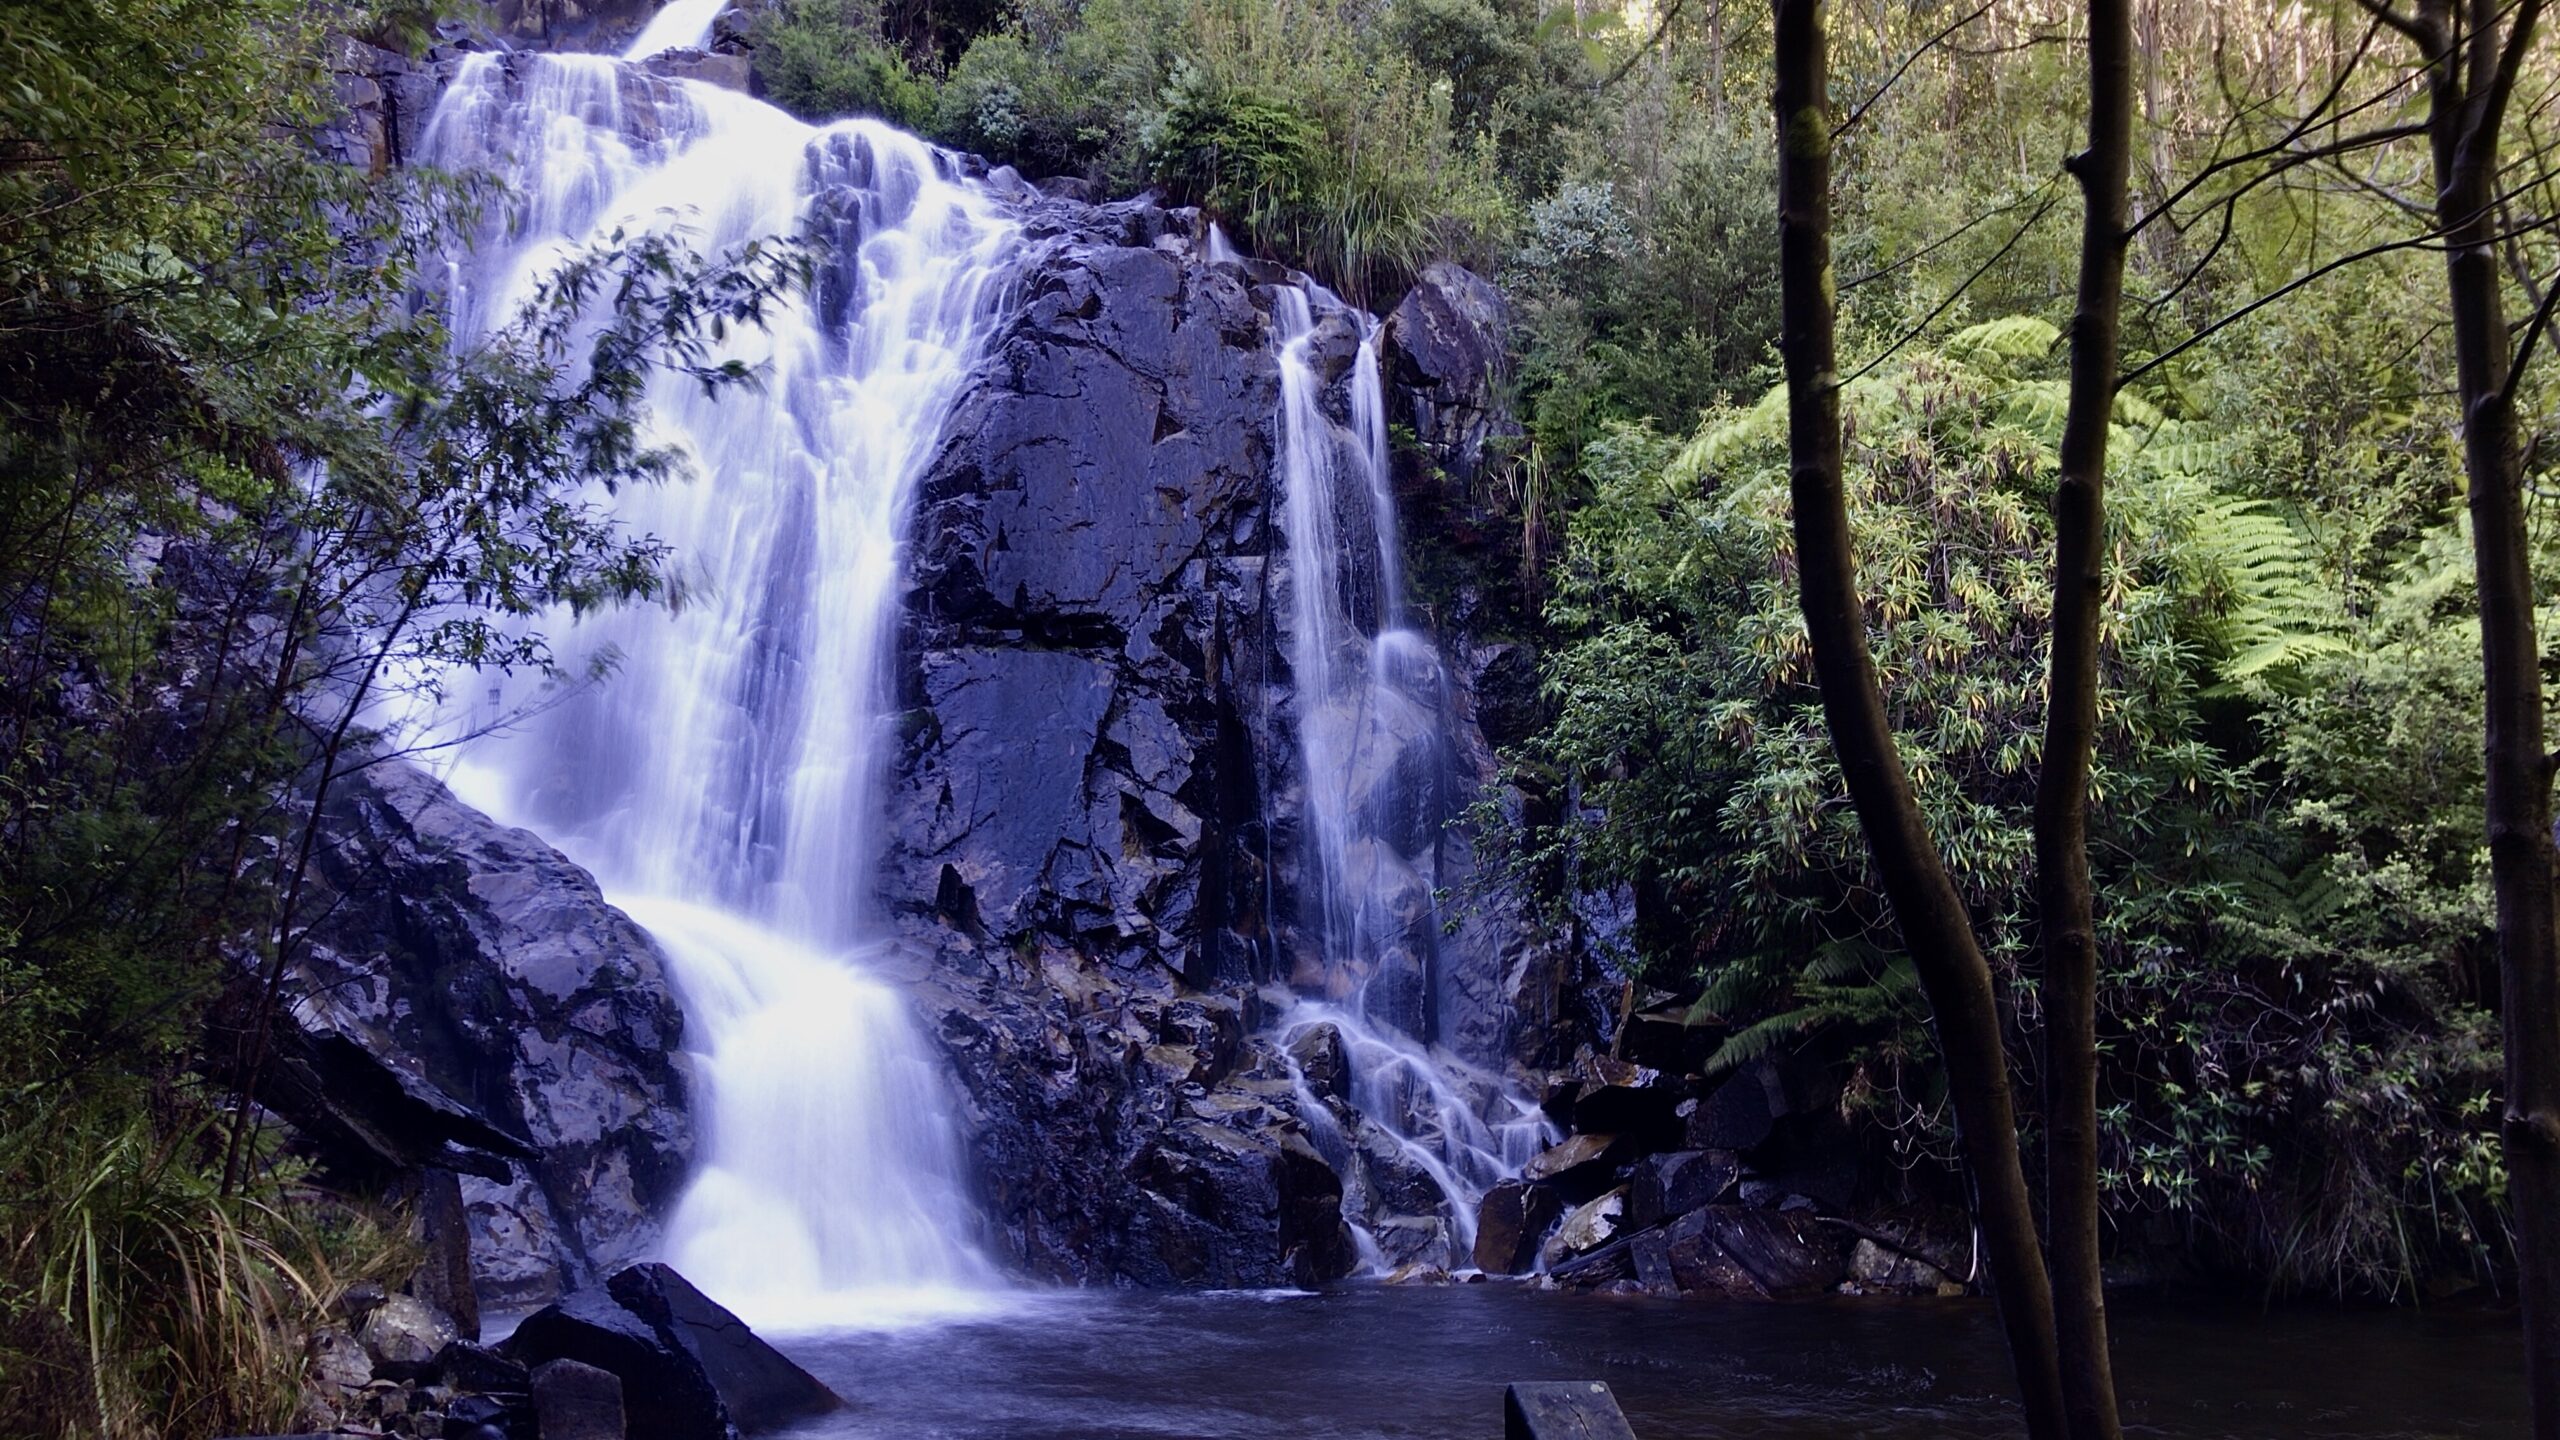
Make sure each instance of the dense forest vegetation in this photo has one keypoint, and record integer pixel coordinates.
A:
(247, 484)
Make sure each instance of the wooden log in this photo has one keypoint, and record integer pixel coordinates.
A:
(1563, 1410)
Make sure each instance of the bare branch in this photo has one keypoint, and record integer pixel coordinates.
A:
(2533, 332)
(2429, 241)
(1958, 293)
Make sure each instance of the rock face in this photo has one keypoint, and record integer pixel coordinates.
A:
(1447, 351)
(1078, 846)
(490, 975)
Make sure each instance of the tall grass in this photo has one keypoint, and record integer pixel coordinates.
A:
(138, 1301)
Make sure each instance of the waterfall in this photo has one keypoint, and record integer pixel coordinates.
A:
(1379, 771)
(723, 785)
(681, 25)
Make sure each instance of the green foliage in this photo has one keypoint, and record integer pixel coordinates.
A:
(1647, 296)
(1302, 126)
(156, 1305)
(1687, 712)
(1234, 151)
(821, 59)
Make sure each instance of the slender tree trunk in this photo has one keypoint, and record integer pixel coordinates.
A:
(2065, 898)
(2467, 92)
(1925, 904)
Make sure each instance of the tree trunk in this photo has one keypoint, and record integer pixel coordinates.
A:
(2466, 111)
(2065, 898)
(1932, 916)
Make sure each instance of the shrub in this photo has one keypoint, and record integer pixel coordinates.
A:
(821, 59)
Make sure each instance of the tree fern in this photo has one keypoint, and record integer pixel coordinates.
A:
(2275, 614)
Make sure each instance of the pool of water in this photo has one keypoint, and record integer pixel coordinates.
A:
(1372, 1361)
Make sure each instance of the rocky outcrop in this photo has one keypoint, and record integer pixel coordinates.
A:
(1446, 349)
(1079, 849)
(1092, 858)
(1094, 824)
(485, 972)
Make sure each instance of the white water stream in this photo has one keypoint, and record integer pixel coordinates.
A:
(1379, 770)
(723, 784)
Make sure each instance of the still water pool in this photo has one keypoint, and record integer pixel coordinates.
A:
(1372, 1361)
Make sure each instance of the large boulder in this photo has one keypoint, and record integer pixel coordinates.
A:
(689, 1369)
(574, 1401)
(1511, 1222)
(762, 1390)
(483, 972)
(1740, 1251)
(1671, 1184)
(1579, 1166)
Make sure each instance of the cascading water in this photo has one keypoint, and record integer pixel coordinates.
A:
(1379, 775)
(723, 785)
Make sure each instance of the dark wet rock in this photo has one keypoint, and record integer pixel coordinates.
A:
(1563, 1410)
(481, 963)
(1586, 1228)
(483, 1417)
(1738, 1251)
(1511, 1223)
(760, 1388)
(1446, 349)
(1738, 1114)
(1321, 1061)
(475, 1368)
(576, 1401)
(405, 1335)
(1671, 1184)
(1639, 1103)
(338, 1358)
(664, 1396)
(1095, 729)
(385, 99)
(440, 1223)
(1876, 1267)
(1217, 1201)
(689, 1369)
(1649, 1254)
(1579, 1167)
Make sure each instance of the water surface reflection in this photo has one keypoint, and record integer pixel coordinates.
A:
(1371, 1361)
